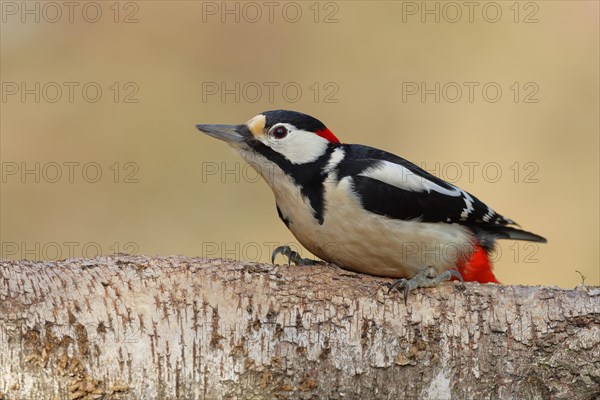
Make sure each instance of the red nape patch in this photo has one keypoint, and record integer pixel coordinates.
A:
(477, 268)
(326, 133)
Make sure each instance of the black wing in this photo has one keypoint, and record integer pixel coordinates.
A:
(394, 187)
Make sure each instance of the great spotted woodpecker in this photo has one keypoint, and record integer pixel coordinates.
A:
(365, 209)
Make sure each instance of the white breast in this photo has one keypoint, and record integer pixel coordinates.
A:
(362, 241)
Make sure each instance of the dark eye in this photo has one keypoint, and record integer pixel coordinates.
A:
(280, 132)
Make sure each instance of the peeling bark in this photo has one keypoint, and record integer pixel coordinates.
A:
(137, 327)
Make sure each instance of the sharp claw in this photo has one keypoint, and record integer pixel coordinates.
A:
(292, 256)
(425, 278)
(277, 251)
(398, 282)
(456, 274)
(401, 284)
(284, 250)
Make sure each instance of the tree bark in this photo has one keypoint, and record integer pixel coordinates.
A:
(190, 328)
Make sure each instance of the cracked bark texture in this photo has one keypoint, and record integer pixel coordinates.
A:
(133, 327)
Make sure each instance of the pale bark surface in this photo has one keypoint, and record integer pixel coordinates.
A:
(137, 327)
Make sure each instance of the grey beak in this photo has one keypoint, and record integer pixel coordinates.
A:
(228, 133)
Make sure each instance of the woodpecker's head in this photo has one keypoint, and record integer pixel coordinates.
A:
(277, 136)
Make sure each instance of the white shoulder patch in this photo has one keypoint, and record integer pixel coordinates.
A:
(403, 178)
(336, 157)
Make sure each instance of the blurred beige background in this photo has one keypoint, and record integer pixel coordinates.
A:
(531, 151)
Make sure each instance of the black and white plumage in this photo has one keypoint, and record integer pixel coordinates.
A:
(360, 207)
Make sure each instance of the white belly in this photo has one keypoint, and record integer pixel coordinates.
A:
(361, 241)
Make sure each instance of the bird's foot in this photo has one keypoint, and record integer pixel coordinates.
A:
(424, 279)
(292, 256)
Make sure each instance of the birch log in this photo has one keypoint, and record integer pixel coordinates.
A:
(133, 327)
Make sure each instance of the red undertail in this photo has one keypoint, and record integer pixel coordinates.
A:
(477, 268)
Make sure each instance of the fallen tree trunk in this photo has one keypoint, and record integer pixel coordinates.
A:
(137, 327)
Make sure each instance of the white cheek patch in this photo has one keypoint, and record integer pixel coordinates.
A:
(298, 146)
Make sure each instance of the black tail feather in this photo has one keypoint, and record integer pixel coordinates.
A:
(505, 232)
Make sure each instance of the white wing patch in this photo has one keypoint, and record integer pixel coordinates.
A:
(403, 178)
(336, 157)
(469, 206)
(490, 213)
